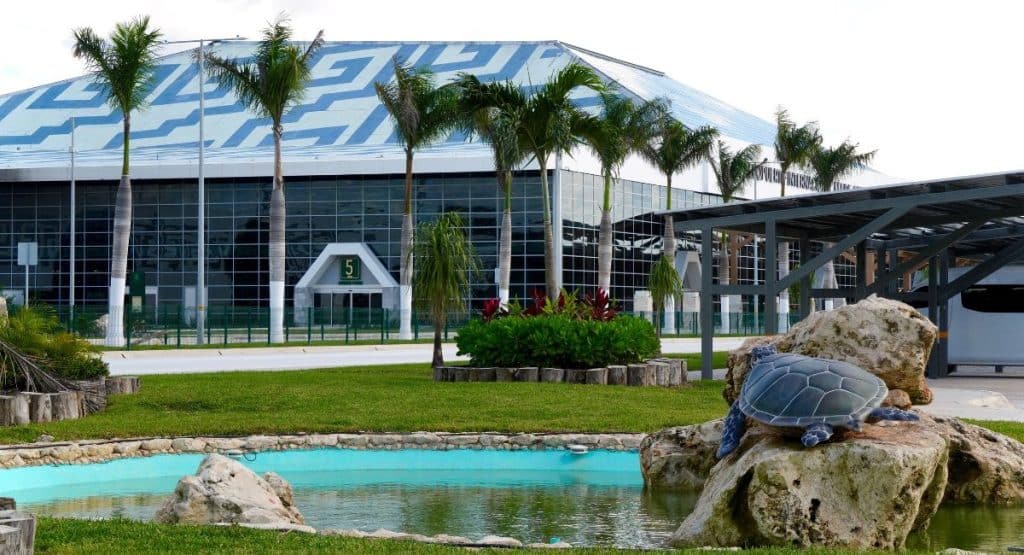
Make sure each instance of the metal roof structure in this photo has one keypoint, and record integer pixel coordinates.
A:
(979, 216)
(340, 110)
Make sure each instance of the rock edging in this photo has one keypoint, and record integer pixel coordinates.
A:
(93, 451)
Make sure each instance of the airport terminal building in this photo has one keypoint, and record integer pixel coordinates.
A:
(343, 184)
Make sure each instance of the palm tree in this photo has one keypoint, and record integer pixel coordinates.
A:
(123, 66)
(550, 125)
(492, 111)
(422, 113)
(830, 164)
(663, 282)
(732, 172)
(793, 147)
(674, 149)
(622, 128)
(442, 278)
(273, 82)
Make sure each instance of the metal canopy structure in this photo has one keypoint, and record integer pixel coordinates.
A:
(979, 217)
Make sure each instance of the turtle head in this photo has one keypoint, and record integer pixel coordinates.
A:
(758, 353)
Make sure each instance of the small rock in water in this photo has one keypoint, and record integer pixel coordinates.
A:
(45, 438)
(499, 541)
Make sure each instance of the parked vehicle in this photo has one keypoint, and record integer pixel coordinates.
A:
(986, 321)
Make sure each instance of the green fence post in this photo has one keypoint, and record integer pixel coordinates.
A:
(415, 325)
(321, 325)
(268, 327)
(128, 329)
(248, 325)
(225, 324)
(309, 325)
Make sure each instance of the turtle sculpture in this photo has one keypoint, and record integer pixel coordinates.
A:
(808, 396)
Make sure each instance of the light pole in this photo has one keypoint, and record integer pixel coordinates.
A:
(201, 192)
(71, 286)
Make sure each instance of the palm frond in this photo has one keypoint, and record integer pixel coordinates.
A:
(734, 170)
(124, 65)
(445, 264)
(663, 281)
(794, 144)
(830, 164)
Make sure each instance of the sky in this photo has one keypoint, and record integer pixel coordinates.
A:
(934, 86)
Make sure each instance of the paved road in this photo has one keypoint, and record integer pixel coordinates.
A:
(188, 361)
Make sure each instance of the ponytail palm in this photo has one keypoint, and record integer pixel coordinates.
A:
(269, 85)
(123, 66)
(422, 113)
(493, 111)
(622, 128)
(442, 279)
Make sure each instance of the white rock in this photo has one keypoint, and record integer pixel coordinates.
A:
(225, 491)
(499, 541)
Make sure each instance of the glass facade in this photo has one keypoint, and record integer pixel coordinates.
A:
(322, 210)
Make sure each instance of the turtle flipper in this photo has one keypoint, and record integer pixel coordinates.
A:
(891, 413)
(732, 433)
(816, 433)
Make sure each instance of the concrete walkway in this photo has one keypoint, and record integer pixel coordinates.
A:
(190, 361)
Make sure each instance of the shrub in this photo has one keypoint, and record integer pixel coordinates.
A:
(558, 340)
(36, 332)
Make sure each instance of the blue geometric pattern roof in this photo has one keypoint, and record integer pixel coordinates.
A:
(340, 107)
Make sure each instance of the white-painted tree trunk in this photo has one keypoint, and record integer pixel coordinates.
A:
(725, 301)
(783, 304)
(119, 260)
(277, 245)
(669, 322)
(604, 239)
(406, 263)
(505, 243)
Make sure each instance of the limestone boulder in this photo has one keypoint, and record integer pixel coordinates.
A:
(885, 337)
(868, 491)
(225, 491)
(985, 467)
(682, 457)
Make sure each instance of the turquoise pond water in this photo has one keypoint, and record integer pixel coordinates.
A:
(592, 499)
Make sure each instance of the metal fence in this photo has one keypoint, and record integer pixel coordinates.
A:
(173, 325)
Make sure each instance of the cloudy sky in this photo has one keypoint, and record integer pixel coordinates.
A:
(935, 86)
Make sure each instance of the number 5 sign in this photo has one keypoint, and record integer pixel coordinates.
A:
(351, 271)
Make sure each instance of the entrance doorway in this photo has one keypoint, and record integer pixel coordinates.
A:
(357, 309)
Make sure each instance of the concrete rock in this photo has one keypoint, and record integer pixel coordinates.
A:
(897, 398)
(885, 337)
(680, 458)
(985, 467)
(869, 491)
(225, 491)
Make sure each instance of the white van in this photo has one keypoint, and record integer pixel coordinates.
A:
(986, 320)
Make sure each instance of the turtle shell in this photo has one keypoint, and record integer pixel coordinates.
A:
(794, 390)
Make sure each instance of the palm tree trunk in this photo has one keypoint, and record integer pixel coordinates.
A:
(405, 264)
(505, 248)
(550, 279)
(277, 217)
(604, 241)
(783, 266)
(670, 251)
(119, 253)
(438, 358)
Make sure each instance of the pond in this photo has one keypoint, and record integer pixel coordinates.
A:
(593, 499)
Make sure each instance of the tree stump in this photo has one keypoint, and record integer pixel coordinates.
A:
(635, 374)
(7, 504)
(25, 524)
(504, 374)
(488, 374)
(14, 410)
(94, 395)
(552, 375)
(10, 540)
(40, 407)
(616, 375)
(122, 385)
(661, 372)
(650, 375)
(459, 374)
(575, 375)
(528, 374)
(597, 376)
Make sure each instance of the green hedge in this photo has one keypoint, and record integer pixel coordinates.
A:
(557, 341)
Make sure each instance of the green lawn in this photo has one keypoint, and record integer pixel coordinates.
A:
(122, 536)
(398, 398)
